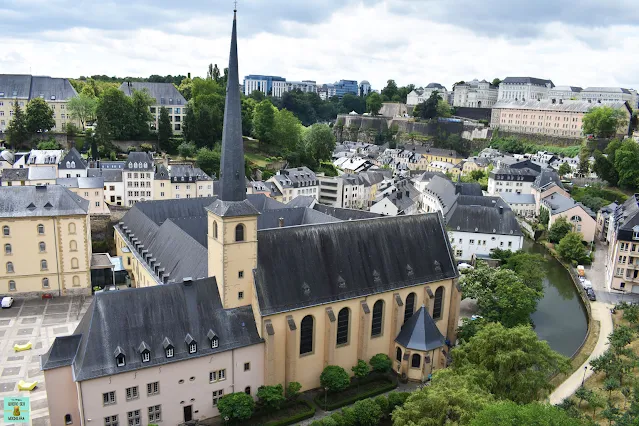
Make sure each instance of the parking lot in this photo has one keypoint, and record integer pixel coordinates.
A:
(596, 274)
(39, 322)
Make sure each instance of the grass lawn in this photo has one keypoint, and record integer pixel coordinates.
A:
(581, 356)
(259, 159)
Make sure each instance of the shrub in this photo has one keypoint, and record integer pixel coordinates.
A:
(337, 418)
(361, 370)
(381, 363)
(236, 406)
(49, 144)
(382, 403)
(329, 421)
(146, 147)
(395, 399)
(295, 418)
(335, 378)
(559, 229)
(367, 412)
(271, 396)
(130, 148)
(293, 390)
(349, 417)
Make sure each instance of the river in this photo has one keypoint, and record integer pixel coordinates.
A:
(560, 318)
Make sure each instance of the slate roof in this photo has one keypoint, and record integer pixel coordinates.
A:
(435, 86)
(443, 189)
(559, 203)
(510, 173)
(302, 201)
(607, 90)
(232, 208)
(112, 165)
(109, 175)
(50, 88)
(157, 91)
(297, 177)
(514, 198)
(161, 173)
(187, 173)
(428, 150)
(627, 218)
(574, 89)
(81, 182)
(15, 174)
(15, 86)
(61, 353)
(486, 215)
(468, 188)
(40, 201)
(420, 333)
(547, 177)
(140, 158)
(42, 173)
(527, 80)
(548, 105)
(428, 176)
(270, 219)
(151, 315)
(46, 156)
(371, 256)
(345, 214)
(72, 161)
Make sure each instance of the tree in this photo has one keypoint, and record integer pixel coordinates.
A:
(205, 113)
(50, 144)
(571, 249)
(390, 91)
(335, 378)
(141, 102)
(186, 88)
(271, 396)
(264, 122)
(186, 149)
(236, 406)
(544, 216)
(381, 363)
(367, 412)
(626, 163)
(430, 107)
(595, 401)
(603, 121)
(114, 115)
(373, 103)
(351, 102)
(360, 370)
(605, 169)
(319, 143)
(515, 362)
(248, 107)
(470, 327)
(443, 108)
(559, 229)
(287, 131)
(564, 169)
(528, 267)
(584, 162)
(507, 413)
(165, 129)
(496, 82)
(82, 108)
(17, 133)
(451, 398)
(39, 116)
(293, 390)
(209, 161)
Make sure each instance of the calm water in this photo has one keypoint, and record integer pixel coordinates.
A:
(560, 318)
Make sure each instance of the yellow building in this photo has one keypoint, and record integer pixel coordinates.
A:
(89, 188)
(181, 181)
(32, 176)
(46, 239)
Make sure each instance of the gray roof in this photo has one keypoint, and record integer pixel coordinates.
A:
(559, 203)
(297, 177)
(15, 86)
(468, 188)
(15, 174)
(187, 173)
(49, 88)
(514, 198)
(511, 171)
(270, 219)
(302, 201)
(72, 161)
(527, 80)
(158, 91)
(428, 176)
(123, 320)
(607, 90)
(547, 177)
(140, 158)
(108, 165)
(422, 149)
(486, 215)
(627, 215)
(420, 333)
(548, 105)
(232, 208)
(444, 190)
(109, 175)
(575, 89)
(81, 182)
(435, 86)
(40, 201)
(161, 173)
(345, 214)
(42, 173)
(350, 259)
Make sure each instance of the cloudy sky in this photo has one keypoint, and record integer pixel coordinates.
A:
(572, 42)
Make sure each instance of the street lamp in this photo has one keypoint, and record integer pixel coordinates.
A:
(584, 379)
(325, 392)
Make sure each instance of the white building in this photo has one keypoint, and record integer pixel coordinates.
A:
(113, 184)
(364, 88)
(564, 93)
(475, 94)
(418, 96)
(522, 204)
(610, 94)
(307, 86)
(72, 165)
(351, 191)
(138, 178)
(297, 181)
(524, 88)
(511, 180)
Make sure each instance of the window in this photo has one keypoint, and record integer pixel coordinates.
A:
(409, 308)
(458, 253)
(146, 356)
(42, 246)
(306, 335)
(169, 352)
(247, 390)
(216, 376)
(7, 249)
(41, 229)
(415, 361)
(74, 263)
(132, 393)
(192, 348)
(111, 421)
(240, 295)
(398, 355)
(155, 413)
(133, 417)
(510, 243)
(247, 366)
(67, 419)
(76, 281)
(472, 241)
(240, 274)
(342, 326)
(217, 395)
(12, 285)
(152, 388)
(437, 305)
(45, 282)
(43, 265)
(73, 246)
(108, 398)
(10, 267)
(215, 342)
(376, 322)
(215, 230)
(239, 232)
(120, 360)
(6, 231)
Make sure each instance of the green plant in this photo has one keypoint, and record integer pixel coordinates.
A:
(335, 378)
(381, 386)
(381, 363)
(367, 412)
(296, 418)
(146, 147)
(361, 370)
(383, 404)
(236, 406)
(293, 390)
(271, 396)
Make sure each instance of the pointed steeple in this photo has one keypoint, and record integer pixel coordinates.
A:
(232, 180)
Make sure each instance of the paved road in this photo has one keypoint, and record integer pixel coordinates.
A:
(596, 273)
(39, 322)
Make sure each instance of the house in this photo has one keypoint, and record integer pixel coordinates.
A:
(72, 165)
(524, 89)
(45, 230)
(89, 188)
(564, 93)
(137, 176)
(475, 94)
(509, 179)
(581, 217)
(296, 181)
(610, 94)
(165, 95)
(40, 158)
(417, 96)
(113, 184)
(399, 199)
(181, 181)
(267, 188)
(545, 184)
(353, 165)
(354, 191)
(430, 154)
(522, 204)
(623, 249)
(604, 218)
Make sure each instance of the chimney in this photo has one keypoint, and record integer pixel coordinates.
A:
(187, 281)
(407, 194)
(281, 221)
(501, 209)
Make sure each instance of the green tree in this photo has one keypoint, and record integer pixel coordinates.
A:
(165, 129)
(627, 164)
(381, 363)
(429, 108)
(205, 113)
(351, 102)
(496, 82)
(186, 88)
(82, 108)
(264, 122)
(397, 399)
(248, 107)
(335, 378)
(595, 401)
(50, 144)
(605, 169)
(390, 91)
(443, 108)
(603, 121)
(287, 131)
(507, 413)
(209, 161)
(373, 103)
(39, 116)
(571, 249)
(293, 390)
(236, 406)
(559, 229)
(271, 396)
(360, 370)
(469, 328)
(584, 161)
(564, 169)
(544, 216)
(114, 115)
(516, 363)
(141, 102)
(528, 266)
(367, 412)
(186, 150)
(319, 144)
(17, 133)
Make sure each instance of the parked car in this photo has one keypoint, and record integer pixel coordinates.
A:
(591, 294)
(586, 284)
(7, 302)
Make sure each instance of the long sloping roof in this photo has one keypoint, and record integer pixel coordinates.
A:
(486, 215)
(345, 214)
(15, 86)
(157, 91)
(40, 201)
(420, 333)
(74, 159)
(344, 260)
(528, 80)
(50, 88)
(548, 105)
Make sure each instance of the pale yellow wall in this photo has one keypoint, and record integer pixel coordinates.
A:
(27, 182)
(167, 190)
(60, 112)
(62, 396)
(61, 271)
(430, 158)
(588, 224)
(95, 196)
(162, 190)
(176, 115)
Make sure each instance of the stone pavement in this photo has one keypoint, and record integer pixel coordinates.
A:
(596, 273)
(39, 322)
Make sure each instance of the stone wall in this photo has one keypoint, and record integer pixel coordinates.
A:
(473, 113)
(542, 139)
(102, 230)
(123, 145)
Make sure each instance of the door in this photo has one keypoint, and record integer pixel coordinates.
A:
(188, 413)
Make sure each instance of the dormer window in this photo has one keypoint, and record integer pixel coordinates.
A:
(191, 344)
(73, 164)
(169, 352)
(145, 352)
(120, 360)
(68, 164)
(146, 356)
(215, 341)
(192, 348)
(168, 347)
(635, 233)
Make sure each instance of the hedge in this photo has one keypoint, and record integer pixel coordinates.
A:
(319, 399)
(297, 417)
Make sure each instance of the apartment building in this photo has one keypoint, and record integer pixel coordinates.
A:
(181, 181)
(89, 188)
(581, 217)
(72, 165)
(509, 179)
(351, 191)
(44, 175)
(524, 89)
(46, 241)
(113, 185)
(166, 95)
(622, 265)
(564, 93)
(475, 94)
(137, 177)
(297, 181)
(610, 94)
(417, 96)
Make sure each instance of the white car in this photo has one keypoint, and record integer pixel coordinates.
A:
(7, 302)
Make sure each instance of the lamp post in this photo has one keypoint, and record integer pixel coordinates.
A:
(584, 378)
(325, 392)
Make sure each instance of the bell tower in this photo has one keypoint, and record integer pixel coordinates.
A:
(232, 219)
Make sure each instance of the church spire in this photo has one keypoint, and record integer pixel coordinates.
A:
(232, 180)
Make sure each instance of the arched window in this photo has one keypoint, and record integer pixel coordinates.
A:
(45, 282)
(409, 307)
(40, 229)
(576, 223)
(247, 390)
(72, 228)
(67, 419)
(42, 246)
(398, 354)
(74, 263)
(378, 315)
(7, 249)
(306, 335)
(12, 285)
(73, 164)
(43, 265)
(6, 231)
(68, 165)
(415, 361)
(439, 301)
(239, 232)
(10, 267)
(73, 245)
(215, 229)
(76, 281)
(342, 326)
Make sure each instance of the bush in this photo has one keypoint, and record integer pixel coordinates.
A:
(146, 147)
(335, 378)
(571, 249)
(296, 418)
(386, 386)
(381, 363)
(383, 404)
(293, 390)
(131, 148)
(367, 412)
(271, 396)
(396, 399)
(558, 230)
(329, 421)
(236, 406)
(50, 144)
(349, 417)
